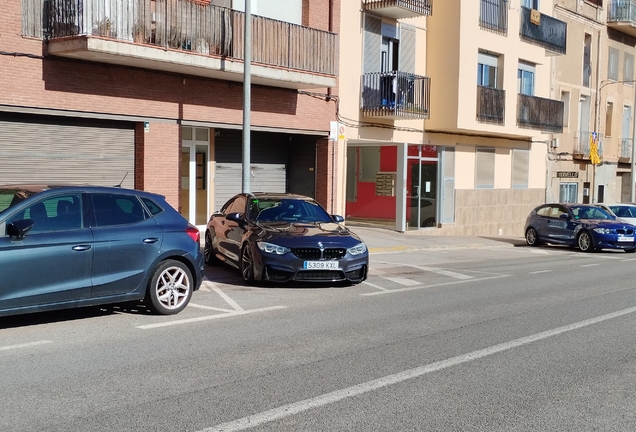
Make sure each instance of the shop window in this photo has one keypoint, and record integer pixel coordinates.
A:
(369, 163)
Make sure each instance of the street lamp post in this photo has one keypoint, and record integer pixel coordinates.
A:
(247, 95)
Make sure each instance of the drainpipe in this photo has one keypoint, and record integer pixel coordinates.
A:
(597, 113)
(632, 187)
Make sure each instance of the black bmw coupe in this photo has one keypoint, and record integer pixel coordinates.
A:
(283, 237)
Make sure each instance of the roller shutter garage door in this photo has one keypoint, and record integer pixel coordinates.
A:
(44, 149)
(268, 157)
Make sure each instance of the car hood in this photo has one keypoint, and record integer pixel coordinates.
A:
(606, 223)
(303, 234)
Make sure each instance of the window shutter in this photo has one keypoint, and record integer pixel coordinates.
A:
(520, 168)
(372, 44)
(485, 168)
(407, 48)
(448, 191)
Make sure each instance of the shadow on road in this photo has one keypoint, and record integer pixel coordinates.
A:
(516, 242)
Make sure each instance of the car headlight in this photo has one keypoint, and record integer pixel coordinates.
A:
(603, 230)
(272, 248)
(357, 249)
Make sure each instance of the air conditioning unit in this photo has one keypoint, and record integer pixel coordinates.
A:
(554, 143)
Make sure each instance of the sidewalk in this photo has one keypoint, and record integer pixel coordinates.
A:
(387, 240)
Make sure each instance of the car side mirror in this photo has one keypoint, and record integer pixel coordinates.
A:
(234, 217)
(337, 218)
(19, 228)
(564, 216)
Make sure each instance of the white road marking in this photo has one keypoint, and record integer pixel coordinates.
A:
(225, 297)
(208, 317)
(204, 288)
(589, 265)
(403, 281)
(540, 251)
(379, 383)
(628, 260)
(397, 290)
(375, 286)
(25, 345)
(540, 271)
(440, 271)
(194, 305)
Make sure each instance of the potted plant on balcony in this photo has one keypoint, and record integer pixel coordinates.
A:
(139, 32)
(105, 27)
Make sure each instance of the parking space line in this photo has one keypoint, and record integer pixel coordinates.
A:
(209, 307)
(540, 271)
(375, 286)
(224, 296)
(436, 270)
(25, 345)
(391, 291)
(208, 317)
(402, 281)
(590, 265)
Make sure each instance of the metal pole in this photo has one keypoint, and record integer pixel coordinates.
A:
(247, 94)
(632, 187)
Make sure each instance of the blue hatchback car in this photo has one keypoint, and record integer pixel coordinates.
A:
(587, 227)
(72, 246)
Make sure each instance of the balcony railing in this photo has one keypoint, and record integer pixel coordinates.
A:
(395, 95)
(621, 15)
(491, 105)
(547, 31)
(188, 26)
(397, 9)
(582, 145)
(493, 15)
(540, 113)
(626, 148)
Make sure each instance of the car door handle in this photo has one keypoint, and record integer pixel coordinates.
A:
(151, 240)
(80, 248)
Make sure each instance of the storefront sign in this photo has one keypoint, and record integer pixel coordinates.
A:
(567, 174)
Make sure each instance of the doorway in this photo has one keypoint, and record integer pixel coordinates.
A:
(421, 186)
(195, 178)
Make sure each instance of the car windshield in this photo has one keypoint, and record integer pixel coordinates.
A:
(624, 211)
(590, 212)
(288, 210)
(10, 197)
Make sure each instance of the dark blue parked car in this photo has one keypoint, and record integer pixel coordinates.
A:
(283, 237)
(71, 246)
(587, 227)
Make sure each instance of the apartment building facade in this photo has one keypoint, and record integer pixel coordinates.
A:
(592, 160)
(447, 113)
(149, 94)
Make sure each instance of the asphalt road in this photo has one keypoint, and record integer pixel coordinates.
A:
(457, 337)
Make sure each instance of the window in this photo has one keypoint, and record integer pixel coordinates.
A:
(612, 72)
(525, 79)
(628, 68)
(493, 15)
(485, 168)
(369, 163)
(587, 60)
(609, 113)
(520, 168)
(152, 206)
(239, 205)
(568, 192)
(59, 213)
(565, 98)
(531, 4)
(113, 209)
(487, 70)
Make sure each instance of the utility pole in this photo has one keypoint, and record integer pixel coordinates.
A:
(247, 94)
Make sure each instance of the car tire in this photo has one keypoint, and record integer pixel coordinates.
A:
(585, 242)
(208, 250)
(532, 238)
(247, 264)
(430, 222)
(170, 288)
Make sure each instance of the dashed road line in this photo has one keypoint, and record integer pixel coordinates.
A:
(590, 265)
(540, 271)
(25, 345)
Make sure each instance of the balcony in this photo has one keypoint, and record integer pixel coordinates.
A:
(582, 145)
(493, 16)
(397, 9)
(539, 113)
(543, 30)
(189, 38)
(626, 150)
(491, 105)
(621, 15)
(395, 95)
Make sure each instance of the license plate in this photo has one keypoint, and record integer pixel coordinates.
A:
(321, 265)
(622, 238)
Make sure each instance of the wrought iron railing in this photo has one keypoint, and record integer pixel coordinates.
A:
(622, 11)
(491, 105)
(493, 15)
(549, 33)
(395, 94)
(626, 148)
(420, 7)
(583, 141)
(188, 26)
(540, 113)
